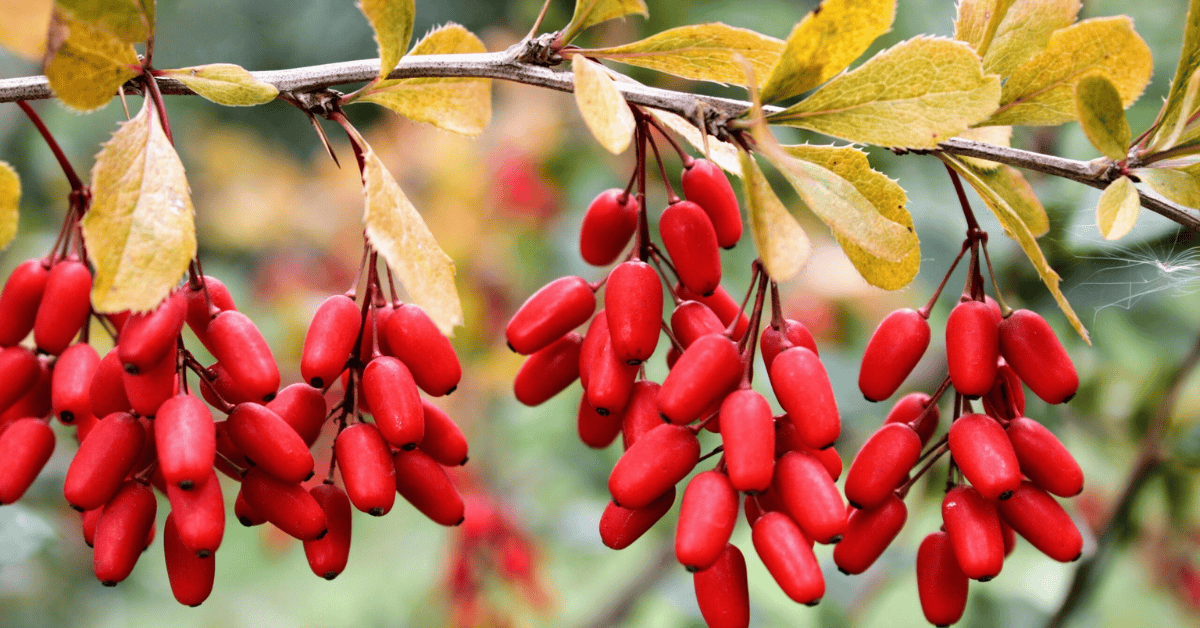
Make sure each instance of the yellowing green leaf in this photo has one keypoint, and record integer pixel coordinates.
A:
(825, 42)
(392, 21)
(888, 198)
(1010, 185)
(10, 198)
(1021, 34)
(704, 52)
(978, 21)
(1180, 186)
(130, 21)
(1118, 209)
(780, 240)
(994, 135)
(461, 105)
(140, 230)
(1015, 228)
(1102, 117)
(915, 94)
(88, 66)
(1175, 109)
(603, 107)
(397, 231)
(225, 84)
(1181, 127)
(721, 153)
(23, 26)
(1042, 91)
(591, 12)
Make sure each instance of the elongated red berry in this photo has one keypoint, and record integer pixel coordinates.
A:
(1044, 459)
(593, 340)
(270, 443)
(108, 386)
(892, 353)
(941, 584)
(302, 407)
(242, 351)
(1006, 399)
(25, 447)
(415, 339)
(633, 300)
(443, 440)
(803, 389)
(984, 454)
(973, 524)
(549, 313)
(656, 462)
(756, 506)
(19, 371)
(691, 242)
(285, 504)
(607, 226)
(146, 337)
(611, 381)
(20, 299)
(64, 307)
(787, 438)
(706, 185)
(104, 458)
(704, 374)
(328, 555)
(71, 382)
(1034, 352)
(36, 400)
(693, 319)
(790, 334)
(191, 576)
(367, 470)
(882, 465)
(620, 527)
(913, 410)
(424, 483)
(811, 497)
(598, 430)
(150, 387)
(723, 592)
(330, 339)
(549, 370)
(641, 413)
(706, 519)
(748, 435)
(868, 534)
(1039, 519)
(186, 439)
(245, 513)
(121, 532)
(201, 301)
(199, 515)
(723, 305)
(785, 550)
(390, 391)
(972, 347)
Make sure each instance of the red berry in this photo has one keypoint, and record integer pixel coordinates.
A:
(1044, 459)
(147, 337)
(219, 389)
(723, 592)
(641, 413)
(245, 513)
(810, 496)
(367, 470)
(598, 430)
(19, 371)
(270, 443)
(706, 185)
(415, 339)
(25, 447)
(972, 348)
(549, 370)
(607, 226)
(787, 438)
(395, 403)
(593, 341)
(104, 458)
(549, 313)
(984, 454)
(749, 439)
(892, 353)
(1039, 519)
(64, 307)
(611, 381)
(706, 519)
(704, 374)
(71, 382)
(20, 300)
(443, 440)
(633, 301)
(941, 583)
(424, 483)
(285, 504)
(328, 555)
(302, 407)
(1034, 352)
(693, 319)
(913, 410)
(1006, 399)
(722, 305)
(242, 351)
(868, 534)
(882, 465)
(803, 389)
(121, 532)
(620, 527)
(788, 556)
(691, 242)
(149, 388)
(186, 439)
(974, 529)
(199, 515)
(191, 576)
(330, 339)
(655, 463)
(791, 334)
(108, 386)
(201, 301)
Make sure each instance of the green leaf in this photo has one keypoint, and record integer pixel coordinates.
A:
(23, 27)
(1042, 91)
(705, 52)
(461, 105)
(780, 240)
(129, 21)
(1178, 185)
(888, 198)
(994, 135)
(88, 66)
(10, 198)
(603, 107)
(591, 12)
(140, 230)
(392, 21)
(915, 95)
(1015, 228)
(225, 84)
(721, 153)
(825, 42)
(1022, 32)
(1175, 108)
(1103, 118)
(1010, 185)
(397, 231)
(1118, 209)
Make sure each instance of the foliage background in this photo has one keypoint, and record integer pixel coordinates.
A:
(281, 225)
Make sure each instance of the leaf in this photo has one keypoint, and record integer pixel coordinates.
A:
(140, 230)
(1009, 184)
(1118, 209)
(721, 153)
(88, 66)
(1021, 34)
(225, 84)
(460, 105)
(915, 94)
(10, 198)
(1103, 119)
(1042, 91)
(888, 198)
(23, 26)
(994, 135)
(1178, 185)
(780, 240)
(591, 12)
(602, 105)
(129, 21)
(704, 52)
(978, 21)
(825, 42)
(1015, 228)
(396, 230)
(1189, 62)
(392, 22)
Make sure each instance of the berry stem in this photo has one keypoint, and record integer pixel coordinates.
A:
(924, 311)
(683, 155)
(972, 225)
(1005, 310)
(156, 96)
(752, 330)
(756, 269)
(641, 246)
(777, 319)
(672, 198)
(937, 452)
(77, 185)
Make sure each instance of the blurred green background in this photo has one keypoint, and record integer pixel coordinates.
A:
(281, 226)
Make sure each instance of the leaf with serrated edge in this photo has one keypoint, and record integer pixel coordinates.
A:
(591, 12)
(1117, 211)
(1100, 114)
(392, 22)
(88, 67)
(1023, 32)
(23, 26)
(915, 95)
(130, 21)
(781, 242)
(10, 199)
(1042, 92)
(825, 42)
(460, 105)
(1183, 130)
(721, 153)
(1189, 62)
(1180, 186)
(397, 231)
(1015, 228)
(603, 107)
(140, 230)
(225, 84)
(885, 194)
(994, 135)
(704, 52)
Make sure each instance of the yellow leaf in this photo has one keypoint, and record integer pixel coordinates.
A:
(994, 135)
(88, 66)
(1100, 114)
(721, 153)
(603, 107)
(978, 21)
(704, 52)
(780, 240)
(1181, 127)
(392, 22)
(915, 95)
(1015, 228)
(1010, 185)
(1117, 211)
(397, 231)
(10, 198)
(140, 230)
(591, 12)
(1175, 109)
(23, 26)
(1042, 91)
(1179, 185)
(130, 21)
(225, 84)
(1023, 31)
(888, 198)
(825, 42)
(460, 105)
